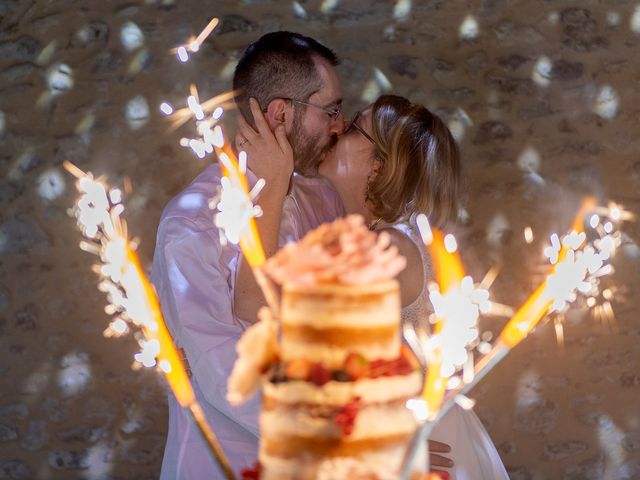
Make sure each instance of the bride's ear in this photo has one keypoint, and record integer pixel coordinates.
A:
(278, 113)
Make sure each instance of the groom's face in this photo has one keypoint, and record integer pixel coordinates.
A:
(314, 130)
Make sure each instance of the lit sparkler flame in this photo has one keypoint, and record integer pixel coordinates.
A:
(132, 297)
(193, 43)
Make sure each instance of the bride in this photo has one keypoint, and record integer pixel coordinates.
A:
(395, 160)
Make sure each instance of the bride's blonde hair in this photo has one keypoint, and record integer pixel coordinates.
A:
(417, 163)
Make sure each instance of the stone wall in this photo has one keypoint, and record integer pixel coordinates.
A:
(543, 97)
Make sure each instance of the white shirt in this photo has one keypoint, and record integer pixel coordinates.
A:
(195, 276)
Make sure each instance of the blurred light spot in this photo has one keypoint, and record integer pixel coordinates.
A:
(450, 243)
(3, 122)
(137, 112)
(634, 22)
(610, 438)
(86, 124)
(541, 74)
(194, 46)
(607, 103)
(21, 164)
(50, 184)
(463, 215)
(328, 5)
(382, 79)
(182, 53)
(594, 220)
(613, 19)
(227, 71)
(138, 62)
(529, 160)
(60, 79)
(298, 10)
(496, 230)
(75, 374)
(528, 389)
(528, 235)
(553, 18)
(191, 201)
(370, 92)
(166, 108)
(46, 54)
(402, 9)
(131, 36)
(469, 28)
(459, 123)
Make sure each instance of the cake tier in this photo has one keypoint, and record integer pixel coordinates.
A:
(370, 390)
(381, 458)
(299, 431)
(323, 323)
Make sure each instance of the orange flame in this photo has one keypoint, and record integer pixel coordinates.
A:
(537, 305)
(449, 273)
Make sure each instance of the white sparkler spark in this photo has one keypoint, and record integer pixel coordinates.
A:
(182, 54)
(166, 108)
(450, 243)
(424, 228)
(528, 235)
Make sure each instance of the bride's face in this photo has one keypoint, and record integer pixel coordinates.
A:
(350, 163)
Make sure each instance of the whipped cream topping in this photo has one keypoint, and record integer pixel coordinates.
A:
(343, 252)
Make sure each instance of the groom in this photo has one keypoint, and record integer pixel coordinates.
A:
(294, 80)
(291, 99)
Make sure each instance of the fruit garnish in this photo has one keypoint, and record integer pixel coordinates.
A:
(299, 369)
(356, 365)
(251, 473)
(319, 375)
(346, 415)
(341, 375)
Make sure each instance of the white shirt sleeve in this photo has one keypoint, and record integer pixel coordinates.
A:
(195, 287)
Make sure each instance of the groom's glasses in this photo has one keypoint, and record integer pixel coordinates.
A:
(334, 112)
(353, 124)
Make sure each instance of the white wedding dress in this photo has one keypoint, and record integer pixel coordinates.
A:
(474, 455)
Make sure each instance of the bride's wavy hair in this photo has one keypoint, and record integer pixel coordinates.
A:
(417, 163)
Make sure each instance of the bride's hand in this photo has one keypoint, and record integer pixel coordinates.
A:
(437, 461)
(269, 154)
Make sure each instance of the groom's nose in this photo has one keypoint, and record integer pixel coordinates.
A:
(337, 126)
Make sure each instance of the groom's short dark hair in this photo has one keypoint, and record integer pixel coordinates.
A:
(279, 65)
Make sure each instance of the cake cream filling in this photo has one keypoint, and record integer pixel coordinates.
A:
(332, 356)
(370, 390)
(372, 421)
(384, 462)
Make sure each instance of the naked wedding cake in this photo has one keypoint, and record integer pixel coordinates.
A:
(335, 376)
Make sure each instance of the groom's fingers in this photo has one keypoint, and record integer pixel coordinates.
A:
(258, 117)
(245, 130)
(283, 141)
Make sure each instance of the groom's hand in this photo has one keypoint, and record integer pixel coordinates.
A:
(269, 154)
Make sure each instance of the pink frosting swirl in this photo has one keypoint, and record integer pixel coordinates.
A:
(344, 252)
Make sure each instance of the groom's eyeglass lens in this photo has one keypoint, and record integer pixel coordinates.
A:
(334, 112)
(353, 124)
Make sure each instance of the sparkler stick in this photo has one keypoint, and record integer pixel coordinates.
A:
(131, 293)
(449, 273)
(250, 242)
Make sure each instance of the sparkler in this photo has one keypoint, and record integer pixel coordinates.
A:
(236, 212)
(194, 43)
(132, 297)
